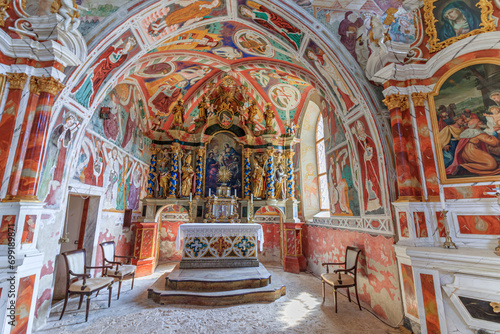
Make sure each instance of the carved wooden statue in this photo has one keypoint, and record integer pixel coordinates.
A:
(187, 174)
(252, 112)
(178, 111)
(164, 177)
(269, 115)
(280, 182)
(258, 180)
(202, 109)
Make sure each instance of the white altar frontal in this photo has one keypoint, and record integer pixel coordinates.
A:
(219, 245)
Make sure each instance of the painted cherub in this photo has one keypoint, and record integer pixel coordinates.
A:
(70, 11)
(493, 118)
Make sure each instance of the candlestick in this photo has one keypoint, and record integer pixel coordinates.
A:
(251, 198)
(190, 197)
(235, 193)
(209, 192)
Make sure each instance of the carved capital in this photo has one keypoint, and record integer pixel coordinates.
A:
(396, 101)
(176, 148)
(17, 80)
(270, 151)
(289, 154)
(201, 151)
(247, 153)
(4, 5)
(35, 85)
(419, 99)
(50, 85)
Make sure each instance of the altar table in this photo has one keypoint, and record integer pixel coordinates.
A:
(219, 245)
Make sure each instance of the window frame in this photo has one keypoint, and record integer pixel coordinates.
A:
(322, 208)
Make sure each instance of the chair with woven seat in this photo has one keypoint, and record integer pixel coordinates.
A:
(121, 270)
(80, 283)
(343, 277)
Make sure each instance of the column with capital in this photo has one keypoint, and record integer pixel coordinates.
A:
(22, 144)
(152, 174)
(270, 175)
(247, 173)
(404, 146)
(290, 182)
(425, 141)
(200, 155)
(174, 171)
(32, 168)
(9, 116)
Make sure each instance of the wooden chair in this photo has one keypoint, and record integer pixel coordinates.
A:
(122, 270)
(343, 278)
(79, 282)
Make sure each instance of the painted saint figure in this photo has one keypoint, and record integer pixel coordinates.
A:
(348, 31)
(457, 19)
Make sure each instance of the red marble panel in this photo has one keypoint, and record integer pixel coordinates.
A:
(412, 154)
(7, 220)
(468, 192)
(403, 225)
(138, 238)
(426, 153)
(401, 153)
(430, 304)
(378, 282)
(23, 304)
(411, 303)
(290, 242)
(148, 243)
(488, 225)
(271, 239)
(7, 124)
(29, 229)
(440, 223)
(420, 225)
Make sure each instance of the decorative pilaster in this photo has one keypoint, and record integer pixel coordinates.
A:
(290, 181)
(152, 172)
(174, 171)
(8, 120)
(425, 144)
(270, 176)
(22, 144)
(28, 185)
(402, 136)
(200, 155)
(247, 169)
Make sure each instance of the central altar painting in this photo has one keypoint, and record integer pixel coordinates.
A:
(223, 151)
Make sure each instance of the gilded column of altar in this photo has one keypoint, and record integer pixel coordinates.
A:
(152, 172)
(425, 143)
(30, 175)
(22, 144)
(200, 154)
(174, 171)
(403, 143)
(8, 120)
(290, 182)
(270, 176)
(248, 171)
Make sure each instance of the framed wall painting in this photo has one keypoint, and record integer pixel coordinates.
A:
(465, 115)
(449, 21)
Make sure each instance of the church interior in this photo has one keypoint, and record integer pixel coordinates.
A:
(211, 153)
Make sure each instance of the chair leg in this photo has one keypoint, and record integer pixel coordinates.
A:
(133, 279)
(357, 298)
(335, 294)
(65, 303)
(348, 295)
(323, 291)
(119, 288)
(109, 298)
(88, 307)
(80, 303)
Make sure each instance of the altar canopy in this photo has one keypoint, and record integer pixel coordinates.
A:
(219, 245)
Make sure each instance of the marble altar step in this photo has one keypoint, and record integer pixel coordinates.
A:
(211, 287)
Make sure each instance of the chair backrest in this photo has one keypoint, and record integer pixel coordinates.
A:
(351, 259)
(75, 261)
(108, 251)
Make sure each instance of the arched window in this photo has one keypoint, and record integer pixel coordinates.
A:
(324, 198)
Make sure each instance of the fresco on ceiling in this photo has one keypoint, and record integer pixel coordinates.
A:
(284, 90)
(466, 120)
(334, 132)
(223, 150)
(59, 146)
(334, 76)
(344, 200)
(156, 70)
(104, 67)
(272, 22)
(180, 15)
(369, 166)
(124, 120)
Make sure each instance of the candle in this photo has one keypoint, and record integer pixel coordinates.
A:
(235, 193)
(251, 198)
(209, 192)
(190, 197)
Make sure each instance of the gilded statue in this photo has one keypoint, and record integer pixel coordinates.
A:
(164, 177)
(178, 111)
(187, 174)
(226, 104)
(269, 115)
(280, 182)
(202, 109)
(258, 180)
(252, 112)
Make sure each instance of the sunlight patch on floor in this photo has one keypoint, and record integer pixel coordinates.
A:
(298, 309)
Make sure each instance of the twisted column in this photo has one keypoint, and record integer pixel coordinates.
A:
(152, 173)
(270, 177)
(290, 182)
(200, 154)
(247, 169)
(174, 171)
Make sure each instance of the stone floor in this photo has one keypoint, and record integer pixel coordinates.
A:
(300, 311)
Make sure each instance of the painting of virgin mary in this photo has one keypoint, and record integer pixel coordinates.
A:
(458, 18)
